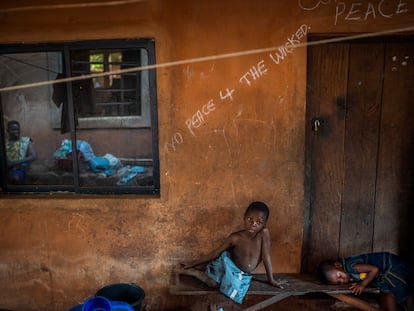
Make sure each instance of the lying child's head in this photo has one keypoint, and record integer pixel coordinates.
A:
(332, 272)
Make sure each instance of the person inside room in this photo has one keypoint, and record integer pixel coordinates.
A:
(20, 154)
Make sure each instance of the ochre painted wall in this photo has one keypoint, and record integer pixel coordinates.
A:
(55, 250)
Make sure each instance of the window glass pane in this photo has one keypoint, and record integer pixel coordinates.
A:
(117, 154)
(29, 117)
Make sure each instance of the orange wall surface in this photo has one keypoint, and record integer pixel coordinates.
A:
(232, 131)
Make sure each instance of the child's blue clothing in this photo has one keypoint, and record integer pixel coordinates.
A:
(395, 276)
(234, 283)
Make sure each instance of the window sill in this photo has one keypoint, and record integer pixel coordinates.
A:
(113, 122)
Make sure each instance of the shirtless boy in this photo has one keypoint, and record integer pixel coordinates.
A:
(230, 265)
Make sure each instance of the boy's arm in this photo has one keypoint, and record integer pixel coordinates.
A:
(370, 270)
(266, 258)
(212, 255)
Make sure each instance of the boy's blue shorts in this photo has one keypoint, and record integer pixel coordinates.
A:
(234, 283)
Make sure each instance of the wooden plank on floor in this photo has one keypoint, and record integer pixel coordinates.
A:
(268, 302)
(297, 284)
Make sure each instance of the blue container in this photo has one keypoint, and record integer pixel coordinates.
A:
(102, 304)
(97, 304)
(129, 293)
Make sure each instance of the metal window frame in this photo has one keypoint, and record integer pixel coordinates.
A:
(65, 48)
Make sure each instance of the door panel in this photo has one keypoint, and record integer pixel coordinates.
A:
(360, 171)
(394, 208)
(327, 93)
(361, 145)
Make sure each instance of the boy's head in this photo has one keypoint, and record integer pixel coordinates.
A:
(259, 207)
(332, 272)
(255, 217)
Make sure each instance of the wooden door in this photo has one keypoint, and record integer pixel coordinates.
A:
(360, 149)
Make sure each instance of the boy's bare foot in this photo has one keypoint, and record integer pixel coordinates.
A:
(179, 269)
